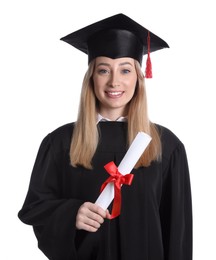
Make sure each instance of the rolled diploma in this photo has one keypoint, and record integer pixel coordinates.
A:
(130, 159)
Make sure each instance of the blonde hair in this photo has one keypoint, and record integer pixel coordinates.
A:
(85, 135)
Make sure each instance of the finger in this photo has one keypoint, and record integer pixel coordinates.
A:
(97, 209)
(94, 217)
(108, 215)
(88, 224)
(93, 211)
(88, 228)
(90, 217)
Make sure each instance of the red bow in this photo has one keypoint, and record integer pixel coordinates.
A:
(118, 179)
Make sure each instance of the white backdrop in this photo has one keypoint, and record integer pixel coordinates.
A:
(40, 79)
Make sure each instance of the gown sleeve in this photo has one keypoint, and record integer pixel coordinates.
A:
(176, 207)
(52, 218)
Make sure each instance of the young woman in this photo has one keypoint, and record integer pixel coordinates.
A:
(155, 221)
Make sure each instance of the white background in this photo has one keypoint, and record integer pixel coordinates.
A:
(40, 80)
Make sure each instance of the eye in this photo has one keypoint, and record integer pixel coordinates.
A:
(125, 71)
(103, 71)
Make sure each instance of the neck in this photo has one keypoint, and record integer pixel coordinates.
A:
(112, 115)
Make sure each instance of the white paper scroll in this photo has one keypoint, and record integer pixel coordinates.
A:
(133, 154)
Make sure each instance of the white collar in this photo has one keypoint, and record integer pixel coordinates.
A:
(100, 118)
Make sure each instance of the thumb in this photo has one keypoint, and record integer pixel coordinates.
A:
(108, 214)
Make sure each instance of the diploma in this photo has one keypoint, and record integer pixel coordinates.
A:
(130, 159)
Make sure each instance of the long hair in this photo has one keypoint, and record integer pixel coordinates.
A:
(85, 135)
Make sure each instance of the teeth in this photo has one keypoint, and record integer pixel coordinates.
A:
(116, 93)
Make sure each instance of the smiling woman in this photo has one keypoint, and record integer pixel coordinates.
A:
(155, 220)
(114, 85)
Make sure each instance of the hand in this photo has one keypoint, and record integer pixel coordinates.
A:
(90, 217)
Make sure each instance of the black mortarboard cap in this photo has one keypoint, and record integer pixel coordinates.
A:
(115, 37)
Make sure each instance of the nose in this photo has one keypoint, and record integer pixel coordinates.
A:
(114, 81)
(115, 85)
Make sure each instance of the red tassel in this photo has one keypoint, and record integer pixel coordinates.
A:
(148, 71)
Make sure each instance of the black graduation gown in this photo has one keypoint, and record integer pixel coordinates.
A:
(156, 215)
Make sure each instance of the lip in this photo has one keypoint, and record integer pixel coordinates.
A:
(114, 94)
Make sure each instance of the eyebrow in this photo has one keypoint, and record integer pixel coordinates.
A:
(107, 64)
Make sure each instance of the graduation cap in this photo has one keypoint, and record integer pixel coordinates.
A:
(116, 37)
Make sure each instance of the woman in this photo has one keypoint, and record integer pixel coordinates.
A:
(155, 221)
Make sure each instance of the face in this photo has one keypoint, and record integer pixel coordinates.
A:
(114, 84)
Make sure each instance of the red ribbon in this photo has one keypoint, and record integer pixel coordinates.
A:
(118, 179)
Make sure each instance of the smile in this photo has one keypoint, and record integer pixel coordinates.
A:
(114, 94)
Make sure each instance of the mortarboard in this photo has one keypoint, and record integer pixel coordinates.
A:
(115, 37)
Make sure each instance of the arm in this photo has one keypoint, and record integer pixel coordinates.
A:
(176, 207)
(56, 219)
(52, 216)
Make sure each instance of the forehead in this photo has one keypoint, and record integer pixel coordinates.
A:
(111, 62)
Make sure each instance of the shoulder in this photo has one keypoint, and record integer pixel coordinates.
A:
(167, 135)
(61, 136)
(170, 142)
(62, 131)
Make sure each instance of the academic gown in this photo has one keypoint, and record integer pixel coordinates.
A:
(156, 212)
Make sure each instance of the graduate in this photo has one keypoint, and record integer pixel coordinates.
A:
(154, 221)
